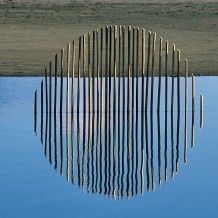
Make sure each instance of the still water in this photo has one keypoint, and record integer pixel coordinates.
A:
(72, 167)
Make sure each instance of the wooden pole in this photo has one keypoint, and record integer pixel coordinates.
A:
(129, 70)
(89, 72)
(166, 75)
(193, 110)
(143, 74)
(61, 82)
(148, 66)
(178, 80)
(186, 99)
(42, 97)
(160, 71)
(173, 71)
(84, 73)
(73, 74)
(68, 79)
(46, 90)
(78, 79)
(98, 68)
(115, 67)
(152, 72)
(119, 75)
(55, 91)
(133, 72)
(35, 102)
(93, 71)
(50, 87)
(101, 73)
(110, 64)
(137, 72)
(123, 69)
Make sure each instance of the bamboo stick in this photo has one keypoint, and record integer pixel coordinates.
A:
(137, 72)
(133, 72)
(42, 97)
(115, 66)
(50, 87)
(93, 71)
(129, 70)
(143, 74)
(97, 65)
(193, 109)
(186, 99)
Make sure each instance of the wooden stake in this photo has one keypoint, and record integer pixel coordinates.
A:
(61, 82)
(35, 102)
(68, 79)
(160, 71)
(186, 99)
(46, 90)
(137, 72)
(129, 70)
(89, 72)
(55, 91)
(73, 74)
(115, 67)
(78, 79)
(193, 110)
(148, 66)
(133, 72)
(178, 80)
(93, 72)
(84, 73)
(97, 65)
(166, 75)
(173, 71)
(42, 97)
(123, 69)
(143, 74)
(152, 72)
(50, 88)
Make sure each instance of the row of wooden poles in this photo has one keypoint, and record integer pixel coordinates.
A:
(112, 162)
(113, 53)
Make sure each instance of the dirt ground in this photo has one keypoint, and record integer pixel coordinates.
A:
(31, 33)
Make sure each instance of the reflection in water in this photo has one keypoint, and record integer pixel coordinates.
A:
(103, 156)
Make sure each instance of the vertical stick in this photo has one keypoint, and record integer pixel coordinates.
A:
(115, 66)
(148, 66)
(123, 69)
(35, 102)
(160, 71)
(46, 90)
(152, 72)
(50, 88)
(78, 79)
(143, 74)
(84, 73)
(178, 80)
(119, 76)
(93, 72)
(173, 71)
(133, 72)
(68, 75)
(137, 71)
(186, 98)
(55, 91)
(201, 110)
(73, 72)
(61, 85)
(89, 72)
(42, 97)
(166, 75)
(129, 70)
(97, 64)
(110, 64)
(101, 72)
(193, 110)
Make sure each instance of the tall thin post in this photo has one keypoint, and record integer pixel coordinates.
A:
(129, 70)
(50, 87)
(143, 74)
(68, 79)
(148, 67)
(46, 90)
(186, 99)
(137, 71)
(173, 71)
(61, 82)
(152, 72)
(160, 71)
(78, 79)
(93, 71)
(133, 72)
(166, 75)
(115, 66)
(73, 73)
(35, 102)
(42, 97)
(178, 80)
(55, 91)
(84, 73)
(193, 110)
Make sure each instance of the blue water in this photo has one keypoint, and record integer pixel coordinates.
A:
(31, 187)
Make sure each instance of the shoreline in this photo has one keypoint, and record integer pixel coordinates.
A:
(31, 34)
